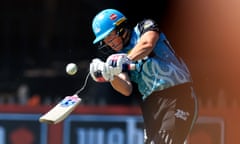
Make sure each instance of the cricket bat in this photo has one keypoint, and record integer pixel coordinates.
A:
(63, 108)
(59, 112)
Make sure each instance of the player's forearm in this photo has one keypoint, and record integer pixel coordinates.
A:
(144, 47)
(122, 86)
(140, 52)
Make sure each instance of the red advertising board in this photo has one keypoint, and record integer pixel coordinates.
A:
(108, 124)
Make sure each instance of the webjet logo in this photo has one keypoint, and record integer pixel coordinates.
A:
(103, 129)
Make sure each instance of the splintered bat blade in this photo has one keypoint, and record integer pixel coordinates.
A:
(59, 112)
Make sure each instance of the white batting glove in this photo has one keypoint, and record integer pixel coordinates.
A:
(100, 71)
(116, 61)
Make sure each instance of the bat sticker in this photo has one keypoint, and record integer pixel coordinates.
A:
(69, 101)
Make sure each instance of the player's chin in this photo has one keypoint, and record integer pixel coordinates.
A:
(117, 47)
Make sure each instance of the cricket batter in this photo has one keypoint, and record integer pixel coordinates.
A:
(164, 84)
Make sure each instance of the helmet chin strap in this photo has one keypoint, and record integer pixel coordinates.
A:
(106, 50)
(126, 36)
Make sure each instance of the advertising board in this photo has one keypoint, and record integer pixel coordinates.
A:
(22, 129)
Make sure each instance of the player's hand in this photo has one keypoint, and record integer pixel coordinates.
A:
(116, 61)
(100, 71)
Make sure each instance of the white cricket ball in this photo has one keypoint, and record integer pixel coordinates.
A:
(71, 69)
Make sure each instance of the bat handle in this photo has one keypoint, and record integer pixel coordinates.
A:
(128, 67)
(84, 85)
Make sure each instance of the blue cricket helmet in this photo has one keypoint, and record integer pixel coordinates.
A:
(105, 22)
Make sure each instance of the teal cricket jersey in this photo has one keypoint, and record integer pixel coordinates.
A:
(160, 71)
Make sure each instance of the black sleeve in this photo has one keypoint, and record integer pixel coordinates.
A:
(148, 25)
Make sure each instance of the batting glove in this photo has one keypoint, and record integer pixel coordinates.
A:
(100, 71)
(116, 61)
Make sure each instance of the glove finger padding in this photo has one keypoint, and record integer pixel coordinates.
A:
(99, 71)
(116, 61)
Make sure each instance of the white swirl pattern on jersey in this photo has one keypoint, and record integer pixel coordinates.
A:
(156, 76)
